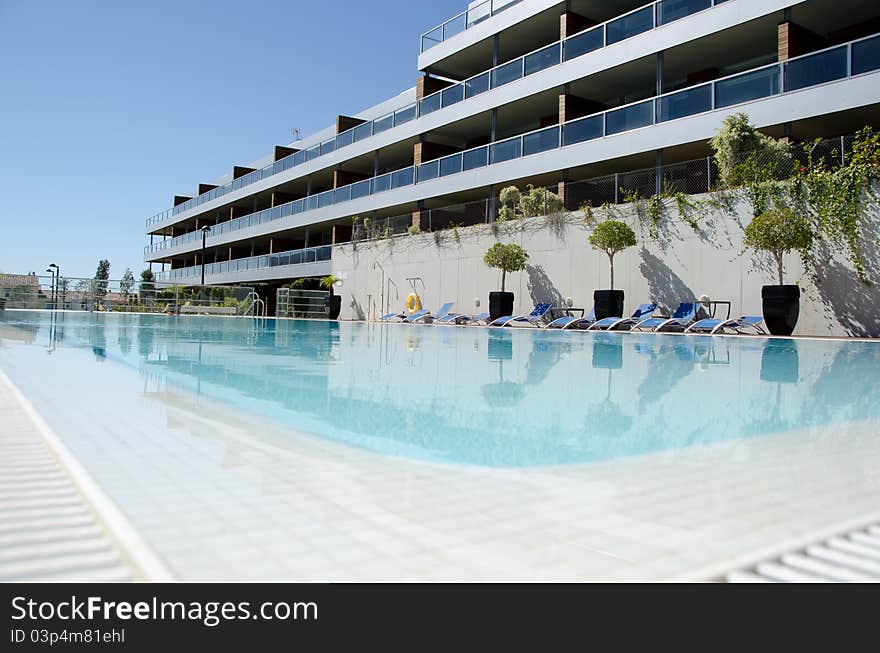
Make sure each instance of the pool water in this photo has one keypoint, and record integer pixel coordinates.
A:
(475, 396)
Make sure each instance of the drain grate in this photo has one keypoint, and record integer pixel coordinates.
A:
(851, 557)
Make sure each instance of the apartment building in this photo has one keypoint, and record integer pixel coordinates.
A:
(537, 92)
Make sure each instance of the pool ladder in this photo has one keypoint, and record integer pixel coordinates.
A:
(257, 307)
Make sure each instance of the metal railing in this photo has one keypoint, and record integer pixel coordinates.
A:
(291, 257)
(291, 302)
(622, 27)
(463, 21)
(824, 66)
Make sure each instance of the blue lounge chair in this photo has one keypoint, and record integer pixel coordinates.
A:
(569, 322)
(737, 325)
(644, 311)
(390, 316)
(684, 315)
(538, 313)
(427, 316)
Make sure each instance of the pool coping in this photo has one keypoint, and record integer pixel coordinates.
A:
(132, 547)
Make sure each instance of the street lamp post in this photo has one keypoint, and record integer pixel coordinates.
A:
(205, 230)
(52, 286)
(57, 281)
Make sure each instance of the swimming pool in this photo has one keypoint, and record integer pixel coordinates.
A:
(315, 451)
(479, 396)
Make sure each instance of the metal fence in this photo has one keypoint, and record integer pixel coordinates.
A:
(35, 292)
(291, 302)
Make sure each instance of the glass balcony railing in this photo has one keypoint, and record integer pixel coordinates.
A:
(292, 257)
(465, 20)
(832, 64)
(623, 27)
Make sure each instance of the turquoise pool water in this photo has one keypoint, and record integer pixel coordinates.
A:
(474, 396)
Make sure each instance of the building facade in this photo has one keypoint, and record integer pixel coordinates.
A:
(536, 92)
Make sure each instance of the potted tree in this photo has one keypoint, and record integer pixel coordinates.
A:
(327, 283)
(507, 258)
(611, 237)
(779, 231)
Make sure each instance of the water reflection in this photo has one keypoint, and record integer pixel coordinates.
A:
(478, 396)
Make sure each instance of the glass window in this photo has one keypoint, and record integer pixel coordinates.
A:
(362, 131)
(382, 124)
(452, 95)
(748, 86)
(542, 59)
(684, 103)
(580, 44)
(866, 56)
(670, 10)
(450, 165)
(585, 129)
(430, 104)
(403, 177)
(815, 69)
(546, 139)
(631, 117)
(429, 170)
(507, 73)
(405, 115)
(630, 25)
(476, 85)
(475, 158)
(505, 150)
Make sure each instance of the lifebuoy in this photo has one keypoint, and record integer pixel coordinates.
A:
(413, 303)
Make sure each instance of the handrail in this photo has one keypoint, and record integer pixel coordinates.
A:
(470, 87)
(454, 163)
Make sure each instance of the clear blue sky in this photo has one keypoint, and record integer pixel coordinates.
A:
(109, 108)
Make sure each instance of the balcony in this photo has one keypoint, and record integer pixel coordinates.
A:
(282, 259)
(613, 31)
(825, 66)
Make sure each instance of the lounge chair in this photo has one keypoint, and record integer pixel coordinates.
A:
(737, 325)
(644, 311)
(569, 322)
(684, 316)
(457, 318)
(427, 316)
(538, 313)
(390, 316)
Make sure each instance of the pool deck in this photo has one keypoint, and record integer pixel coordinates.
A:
(54, 524)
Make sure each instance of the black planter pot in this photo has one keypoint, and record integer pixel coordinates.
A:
(781, 305)
(608, 303)
(500, 303)
(335, 306)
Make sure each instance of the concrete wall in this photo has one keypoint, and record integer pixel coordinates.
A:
(684, 264)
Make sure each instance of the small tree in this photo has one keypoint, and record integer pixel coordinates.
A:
(99, 285)
(509, 198)
(744, 155)
(328, 282)
(148, 280)
(611, 237)
(507, 258)
(126, 283)
(779, 231)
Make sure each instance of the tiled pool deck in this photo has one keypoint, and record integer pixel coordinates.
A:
(222, 497)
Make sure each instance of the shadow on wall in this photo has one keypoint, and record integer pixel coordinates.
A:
(541, 287)
(851, 303)
(665, 287)
(357, 310)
